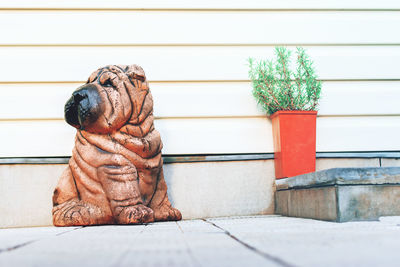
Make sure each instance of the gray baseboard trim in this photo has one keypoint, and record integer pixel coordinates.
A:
(167, 158)
(373, 154)
(209, 158)
(34, 160)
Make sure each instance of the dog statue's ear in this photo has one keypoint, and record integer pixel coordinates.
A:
(135, 72)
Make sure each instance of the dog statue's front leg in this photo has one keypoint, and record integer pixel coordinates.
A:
(163, 210)
(120, 184)
(70, 210)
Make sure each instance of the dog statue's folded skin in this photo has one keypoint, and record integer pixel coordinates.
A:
(115, 174)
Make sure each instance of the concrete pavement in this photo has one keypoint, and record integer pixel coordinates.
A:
(233, 241)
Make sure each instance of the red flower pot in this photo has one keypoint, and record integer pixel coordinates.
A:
(294, 134)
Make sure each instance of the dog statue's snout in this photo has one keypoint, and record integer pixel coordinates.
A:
(84, 106)
(80, 95)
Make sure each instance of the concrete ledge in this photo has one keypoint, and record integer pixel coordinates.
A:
(341, 194)
(198, 190)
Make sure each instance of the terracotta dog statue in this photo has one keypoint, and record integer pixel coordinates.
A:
(115, 174)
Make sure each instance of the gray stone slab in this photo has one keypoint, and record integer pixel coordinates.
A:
(316, 203)
(341, 195)
(367, 202)
(342, 176)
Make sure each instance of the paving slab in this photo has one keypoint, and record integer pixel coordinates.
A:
(15, 237)
(232, 241)
(186, 243)
(306, 242)
(211, 246)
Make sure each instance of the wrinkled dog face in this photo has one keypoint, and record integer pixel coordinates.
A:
(104, 103)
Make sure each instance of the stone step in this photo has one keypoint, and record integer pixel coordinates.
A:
(341, 194)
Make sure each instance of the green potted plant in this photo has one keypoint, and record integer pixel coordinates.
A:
(290, 98)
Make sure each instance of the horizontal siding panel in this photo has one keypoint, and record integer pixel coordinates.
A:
(187, 63)
(208, 136)
(36, 138)
(358, 134)
(207, 4)
(360, 98)
(175, 27)
(46, 101)
(55, 138)
(227, 99)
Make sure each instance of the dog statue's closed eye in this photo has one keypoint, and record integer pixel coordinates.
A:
(115, 174)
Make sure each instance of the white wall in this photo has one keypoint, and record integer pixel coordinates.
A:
(194, 54)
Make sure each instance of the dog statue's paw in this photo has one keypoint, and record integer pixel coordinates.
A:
(167, 213)
(135, 215)
(76, 213)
